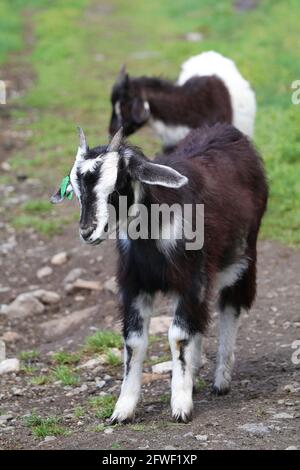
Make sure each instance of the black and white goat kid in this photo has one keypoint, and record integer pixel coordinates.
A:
(209, 89)
(217, 167)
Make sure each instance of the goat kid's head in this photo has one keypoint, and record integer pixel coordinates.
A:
(130, 109)
(100, 175)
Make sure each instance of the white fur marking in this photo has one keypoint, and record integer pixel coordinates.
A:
(182, 379)
(169, 134)
(230, 275)
(138, 343)
(229, 323)
(104, 187)
(242, 96)
(118, 110)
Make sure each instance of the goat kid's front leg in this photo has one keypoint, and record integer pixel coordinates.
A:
(136, 326)
(186, 354)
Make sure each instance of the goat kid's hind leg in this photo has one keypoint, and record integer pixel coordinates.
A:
(136, 326)
(232, 300)
(228, 328)
(186, 354)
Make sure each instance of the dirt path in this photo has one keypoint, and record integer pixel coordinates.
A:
(265, 382)
(265, 396)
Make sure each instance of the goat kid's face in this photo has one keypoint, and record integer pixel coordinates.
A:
(129, 109)
(101, 174)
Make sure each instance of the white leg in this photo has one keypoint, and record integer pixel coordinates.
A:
(186, 354)
(136, 342)
(229, 321)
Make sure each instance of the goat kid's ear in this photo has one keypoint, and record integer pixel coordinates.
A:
(140, 110)
(56, 198)
(160, 175)
(123, 77)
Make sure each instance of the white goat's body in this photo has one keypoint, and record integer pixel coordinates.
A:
(242, 96)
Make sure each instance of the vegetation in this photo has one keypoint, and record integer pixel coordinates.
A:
(65, 375)
(103, 405)
(42, 427)
(78, 50)
(102, 341)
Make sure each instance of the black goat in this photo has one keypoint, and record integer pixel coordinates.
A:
(215, 167)
(210, 89)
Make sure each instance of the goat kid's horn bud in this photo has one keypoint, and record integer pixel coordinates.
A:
(116, 141)
(82, 140)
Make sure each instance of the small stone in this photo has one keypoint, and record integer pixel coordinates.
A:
(162, 367)
(9, 365)
(73, 275)
(160, 324)
(292, 388)
(111, 285)
(194, 37)
(94, 362)
(24, 305)
(283, 416)
(170, 448)
(292, 448)
(46, 296)
(5, 418)
(50, 439)
(256, 429)
(59, 259)
(150, 377)
(108, 431)
(100, 383)
(11, 336)
(44, 272)
(5, 166)
(89, 285)
(60, 326)
(2, 350)
(201, 437)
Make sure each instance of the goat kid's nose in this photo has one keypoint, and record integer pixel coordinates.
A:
(86, 231)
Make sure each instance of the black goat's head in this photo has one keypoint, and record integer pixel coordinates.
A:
(102, 174)
(129, 108)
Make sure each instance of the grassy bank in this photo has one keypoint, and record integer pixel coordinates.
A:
(80, 44)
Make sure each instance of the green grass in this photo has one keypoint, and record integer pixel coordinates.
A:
(200, 384)
(103, 405)
(66, 358)
(42, 427)
(41, 380)
(29, 356)
(112, 359)
(79, 412)
(102, 341)
(65, 375)
(73, 87)
(29, 369)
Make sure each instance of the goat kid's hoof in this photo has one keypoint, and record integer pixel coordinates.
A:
(119, 418)
(220, 391)
(182, 417)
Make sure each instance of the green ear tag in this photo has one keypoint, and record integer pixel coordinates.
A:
(63, 188)
(70, 195)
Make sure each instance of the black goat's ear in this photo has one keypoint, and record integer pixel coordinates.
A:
(160, 175)
(140, 110)
(56, 198)
(123, 77)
